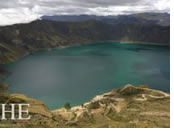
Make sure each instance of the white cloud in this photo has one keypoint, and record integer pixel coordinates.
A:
(117, 10)
(162, 5)
(22, 11)
(20, 15)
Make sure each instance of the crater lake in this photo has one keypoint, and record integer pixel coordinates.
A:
(77, 74)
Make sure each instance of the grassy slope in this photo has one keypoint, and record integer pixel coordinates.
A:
(125, 107)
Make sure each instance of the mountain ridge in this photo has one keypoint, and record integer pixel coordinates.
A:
(162, 19)
(19, 40)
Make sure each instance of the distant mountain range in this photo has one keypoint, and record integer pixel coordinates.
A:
(141, 18)
(21, 39)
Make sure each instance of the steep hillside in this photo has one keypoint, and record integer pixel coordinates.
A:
(19, 40)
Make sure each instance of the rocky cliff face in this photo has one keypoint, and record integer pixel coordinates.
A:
(130, 106)
(19, 40)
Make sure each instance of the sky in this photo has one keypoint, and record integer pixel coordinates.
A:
(24, 11)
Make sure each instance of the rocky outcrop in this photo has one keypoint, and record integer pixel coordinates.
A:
(130, 106)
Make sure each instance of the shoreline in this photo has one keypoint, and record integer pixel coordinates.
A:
(90, 43)
(103, 95)
(143, 43)
(112, 109)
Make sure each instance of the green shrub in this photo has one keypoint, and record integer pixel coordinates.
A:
(67, 106)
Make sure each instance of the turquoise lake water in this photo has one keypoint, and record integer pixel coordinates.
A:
(77, 74)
